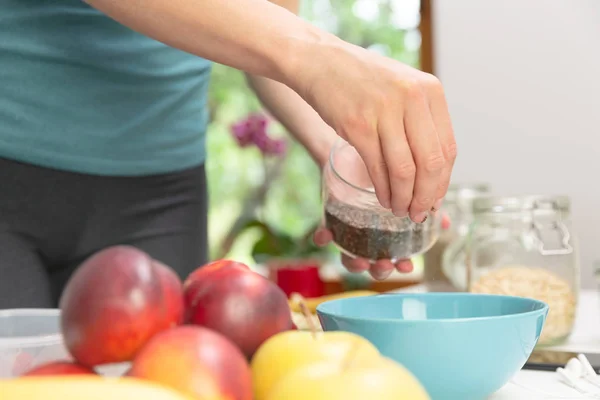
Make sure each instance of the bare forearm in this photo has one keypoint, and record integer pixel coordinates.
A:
(255, 36)
(296, 116)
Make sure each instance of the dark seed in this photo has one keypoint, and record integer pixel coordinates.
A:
(376, 234)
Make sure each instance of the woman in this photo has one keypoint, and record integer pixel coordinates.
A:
(103, 115)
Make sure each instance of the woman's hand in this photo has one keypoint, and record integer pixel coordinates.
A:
(382, 268)
(394, 115)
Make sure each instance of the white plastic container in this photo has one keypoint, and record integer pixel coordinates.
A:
(28, 338)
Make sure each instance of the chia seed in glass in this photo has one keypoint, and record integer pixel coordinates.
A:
(377, 234)
(361, 227)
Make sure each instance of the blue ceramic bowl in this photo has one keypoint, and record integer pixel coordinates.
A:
(461, 346)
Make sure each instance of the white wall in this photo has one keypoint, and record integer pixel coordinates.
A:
(523, 84)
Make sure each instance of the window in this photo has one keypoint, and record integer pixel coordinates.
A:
(396, 28)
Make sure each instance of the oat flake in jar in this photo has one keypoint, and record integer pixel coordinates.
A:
(523, 246)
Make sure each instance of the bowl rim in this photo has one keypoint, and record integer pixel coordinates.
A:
(30, 341)
(543, 308)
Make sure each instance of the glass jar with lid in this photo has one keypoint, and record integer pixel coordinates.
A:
(458, 206)
(360, 225)
(524, 246)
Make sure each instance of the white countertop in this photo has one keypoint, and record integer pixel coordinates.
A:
(534, 385)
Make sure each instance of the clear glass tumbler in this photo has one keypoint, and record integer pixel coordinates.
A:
(361, 227)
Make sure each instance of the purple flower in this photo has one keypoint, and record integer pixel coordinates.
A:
(240, 134)
(252, 130)
(246, 130)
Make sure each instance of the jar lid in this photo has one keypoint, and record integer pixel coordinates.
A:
(466, 191)
(498, 204)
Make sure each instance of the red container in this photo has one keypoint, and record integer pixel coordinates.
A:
(302, 278)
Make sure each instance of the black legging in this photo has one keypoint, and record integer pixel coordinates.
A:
(50, 221)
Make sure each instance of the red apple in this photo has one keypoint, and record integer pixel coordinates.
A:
(241, 304)
(60, 368)
(114, 303)
(197, 362)
(218, 265)
(173, 295)
(202, 273)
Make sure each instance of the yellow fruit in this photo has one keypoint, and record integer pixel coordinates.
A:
(291, 350)
(84, 388)
(381, 379)
(312, 303)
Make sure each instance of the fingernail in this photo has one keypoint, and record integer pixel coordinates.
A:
(437, 205)
(399, 213)
(404, 267)
(380, 276)
(420, 217)
(385, 203)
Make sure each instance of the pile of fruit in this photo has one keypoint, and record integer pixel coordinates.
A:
(225, 333)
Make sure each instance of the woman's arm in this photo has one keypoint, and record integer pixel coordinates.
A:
(255, 36)
(295, 114)
(394, 115)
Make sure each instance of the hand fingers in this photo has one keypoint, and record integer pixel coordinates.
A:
(427, 153)
(355, 265)
(400, 164)
(381, 269)
(369, 150)
(322, 237)
(443, 125)
(404, 266)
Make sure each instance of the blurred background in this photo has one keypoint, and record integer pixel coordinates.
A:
(522, 83)
(521, 80)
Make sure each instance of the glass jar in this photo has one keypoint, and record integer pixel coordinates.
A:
(361, 227)
(458, 206)
(523, 246)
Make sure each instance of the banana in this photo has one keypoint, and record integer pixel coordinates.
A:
(84, 388)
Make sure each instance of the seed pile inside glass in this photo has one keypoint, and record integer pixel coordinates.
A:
(376, 234)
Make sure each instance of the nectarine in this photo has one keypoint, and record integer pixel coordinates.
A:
(219, 265)
(114, 303)
(197, 362)
(201, 274)
(60, 368)
(172, 293)
(241, 304)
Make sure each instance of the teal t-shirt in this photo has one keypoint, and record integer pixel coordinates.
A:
(80, 92)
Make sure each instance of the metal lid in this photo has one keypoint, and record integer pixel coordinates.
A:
(498, 204)
(466, 191)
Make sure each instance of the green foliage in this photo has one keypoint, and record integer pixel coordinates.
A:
(276, 244)
(293, 206)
